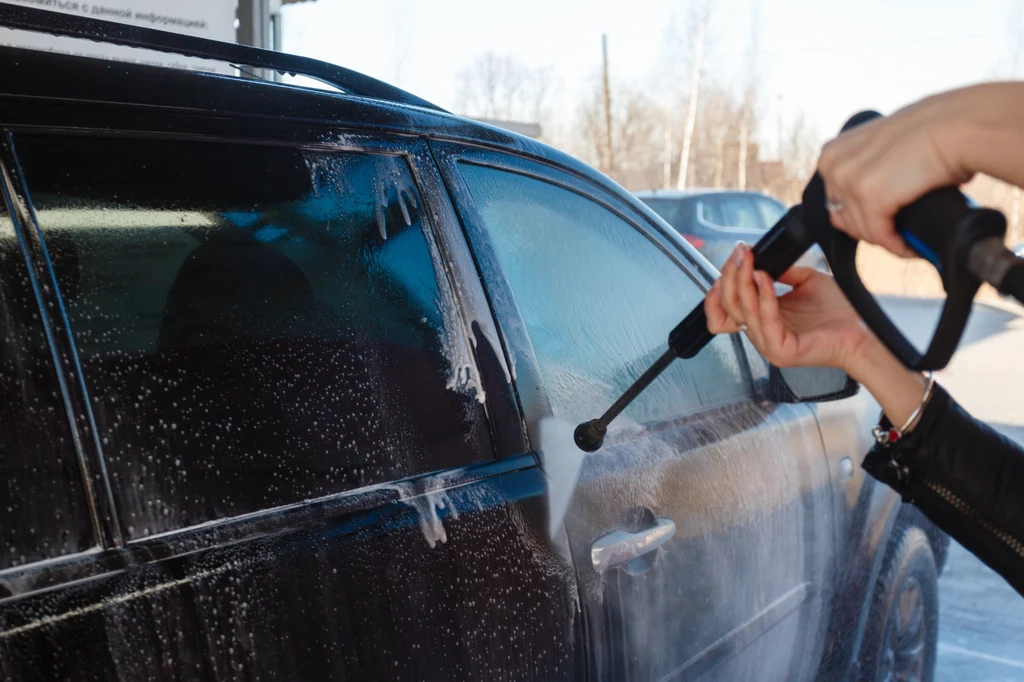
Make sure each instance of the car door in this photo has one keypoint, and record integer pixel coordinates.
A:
(586, 294)
(261, 345)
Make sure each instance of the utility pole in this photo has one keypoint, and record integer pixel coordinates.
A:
(691, 114)
(741, 172)
(609, 160)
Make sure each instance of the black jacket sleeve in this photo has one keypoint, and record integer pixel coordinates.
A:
(964, 476)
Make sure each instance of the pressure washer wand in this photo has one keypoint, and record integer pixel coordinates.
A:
(590, 435)
(774, 253)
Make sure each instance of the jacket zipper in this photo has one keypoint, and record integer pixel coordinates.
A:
(968, 511)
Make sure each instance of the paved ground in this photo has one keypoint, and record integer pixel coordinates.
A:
(981, 628)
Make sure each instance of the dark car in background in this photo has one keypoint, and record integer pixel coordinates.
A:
(275, 364)
(714, 220)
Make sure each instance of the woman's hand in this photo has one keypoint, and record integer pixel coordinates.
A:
(875, 169)
(812, 325)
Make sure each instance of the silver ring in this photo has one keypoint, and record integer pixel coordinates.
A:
(834, 205)
(743, 327)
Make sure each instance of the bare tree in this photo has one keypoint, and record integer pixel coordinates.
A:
(714, 128)
(666, 81)
(696, 69)
(635, 126)
(750, 93)
(714, 146)
(798, 156)
(501, 87)
(642, 139)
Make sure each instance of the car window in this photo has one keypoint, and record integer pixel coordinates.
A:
(710, 212)
(770, 210)
(257, 325)
(43, 509)
(598, 299)
(735, 210)
(677, 212)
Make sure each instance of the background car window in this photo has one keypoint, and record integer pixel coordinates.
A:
(43, 510)
(677, 212)
(770, 210)
(257, 325)
(598, 298)
(735, 210)
(710, 212)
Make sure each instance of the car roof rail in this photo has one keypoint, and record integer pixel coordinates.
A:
(75, 26)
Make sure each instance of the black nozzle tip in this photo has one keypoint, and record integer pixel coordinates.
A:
(590, 435)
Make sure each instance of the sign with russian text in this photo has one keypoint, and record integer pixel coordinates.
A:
(203, 18)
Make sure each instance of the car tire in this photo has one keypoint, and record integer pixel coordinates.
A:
(940, 548)
(903, 625)
(912, 516)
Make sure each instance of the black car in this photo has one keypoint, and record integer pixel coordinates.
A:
(274, 367)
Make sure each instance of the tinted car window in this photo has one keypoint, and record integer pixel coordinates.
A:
(43, 509)
(257, 325)
(734, 210)
(598, 299)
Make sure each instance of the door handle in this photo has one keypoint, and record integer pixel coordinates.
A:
(621, 547)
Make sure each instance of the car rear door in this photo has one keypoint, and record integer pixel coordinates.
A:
(586, 292)
(263, 351)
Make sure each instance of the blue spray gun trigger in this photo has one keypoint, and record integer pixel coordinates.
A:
(922, 249)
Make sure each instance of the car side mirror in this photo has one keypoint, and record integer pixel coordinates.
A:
(807, 385)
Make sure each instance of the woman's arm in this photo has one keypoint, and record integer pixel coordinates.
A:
(989, 123)
(966, 478)
(897, 389)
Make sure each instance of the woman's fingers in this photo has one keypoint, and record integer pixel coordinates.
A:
(746, 293)
(772, 329)
(719, 321)
(734, 301)
(727, 289)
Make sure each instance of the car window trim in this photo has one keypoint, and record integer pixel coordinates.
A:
(98, 491)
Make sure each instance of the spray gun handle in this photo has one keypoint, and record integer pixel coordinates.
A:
(941, 226)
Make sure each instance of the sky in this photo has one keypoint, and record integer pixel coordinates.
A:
(825, 59)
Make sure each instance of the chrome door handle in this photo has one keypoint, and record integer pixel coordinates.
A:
(620, 547)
